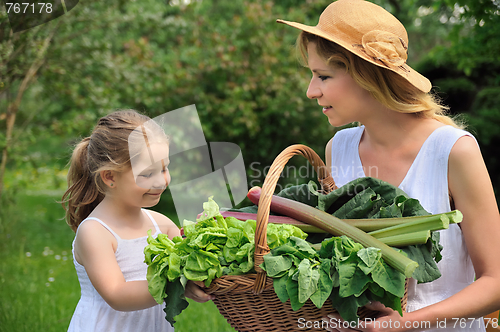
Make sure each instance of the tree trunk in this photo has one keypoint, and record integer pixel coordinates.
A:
(13, 107)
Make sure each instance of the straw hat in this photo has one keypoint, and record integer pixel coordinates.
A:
(370, 32)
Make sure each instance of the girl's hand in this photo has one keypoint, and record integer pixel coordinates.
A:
(194, 292)
(387, 320)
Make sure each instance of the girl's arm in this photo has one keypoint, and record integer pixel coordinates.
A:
(166, 225)
(94, 249)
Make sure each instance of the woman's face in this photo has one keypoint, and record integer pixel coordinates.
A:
(342, 99)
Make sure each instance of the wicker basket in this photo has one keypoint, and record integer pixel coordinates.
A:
(249, 302)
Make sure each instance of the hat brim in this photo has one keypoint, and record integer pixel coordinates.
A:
(411, 75)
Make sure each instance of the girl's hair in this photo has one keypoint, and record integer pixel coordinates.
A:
(386, 86)
(108, 148)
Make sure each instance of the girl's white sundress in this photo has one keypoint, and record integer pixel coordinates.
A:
(93, 314)
(427, 181)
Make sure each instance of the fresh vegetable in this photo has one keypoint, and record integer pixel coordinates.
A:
(341, 270)
(335, 226)
(406, 225)
(378, 203)
(427, 223)
(213, 246)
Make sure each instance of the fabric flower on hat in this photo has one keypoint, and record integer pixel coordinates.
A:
(385, 46)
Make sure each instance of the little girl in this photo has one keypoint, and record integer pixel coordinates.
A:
(114, 174)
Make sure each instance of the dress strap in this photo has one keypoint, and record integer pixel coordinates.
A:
(105, 226)
(153, 221)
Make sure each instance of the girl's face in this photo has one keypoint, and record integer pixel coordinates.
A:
(343, 100)
(143, 184)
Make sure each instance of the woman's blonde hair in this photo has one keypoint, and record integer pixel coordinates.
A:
(389, 88)
(108, 148)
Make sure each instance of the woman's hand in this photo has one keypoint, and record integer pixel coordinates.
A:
(194, 292)
(387, 320)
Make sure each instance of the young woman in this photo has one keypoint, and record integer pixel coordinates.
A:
(357, 55)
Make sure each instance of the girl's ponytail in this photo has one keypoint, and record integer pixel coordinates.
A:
(82, 195)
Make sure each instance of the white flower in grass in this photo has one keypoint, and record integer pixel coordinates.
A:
(51, 279)
(28, 254)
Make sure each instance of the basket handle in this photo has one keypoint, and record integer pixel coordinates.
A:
(327, 184)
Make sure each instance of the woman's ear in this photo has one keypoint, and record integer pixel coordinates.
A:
(108, 177)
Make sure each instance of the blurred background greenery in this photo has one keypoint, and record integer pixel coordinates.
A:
(228, 57)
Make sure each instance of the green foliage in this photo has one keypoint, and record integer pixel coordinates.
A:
(38, 282)
(212, 247)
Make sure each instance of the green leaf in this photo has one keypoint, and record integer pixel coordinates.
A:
(292, 288)
(174, 267)
(369, 258)
(352, 280)
(308, 280)
(325, 285)
(427, 269)
(280, 288)
(275, 265)
(389, 279)
(175, 302)
(348, 307)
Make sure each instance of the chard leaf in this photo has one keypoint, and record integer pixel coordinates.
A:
(348, 307)
(292, 288)
(303, 246)
(280, 287)
(301, 193)
(427, 269)
(352, 280)
(389, 279)
(289, 248)
(175, 302)
(359, 205)
(369, 258)
(274, 265)
(436, 246)
(308, 280)
(325, 284)
(376, 290)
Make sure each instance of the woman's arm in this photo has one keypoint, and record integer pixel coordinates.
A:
(473, 195)
(94, 250)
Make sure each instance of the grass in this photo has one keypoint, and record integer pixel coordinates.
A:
(39, 288)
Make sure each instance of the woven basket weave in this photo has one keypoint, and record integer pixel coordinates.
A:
(248, 301)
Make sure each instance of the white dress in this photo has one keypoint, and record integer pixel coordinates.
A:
(427, 181)
(93, 314)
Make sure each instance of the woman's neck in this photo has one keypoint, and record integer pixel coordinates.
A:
(390, 130)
